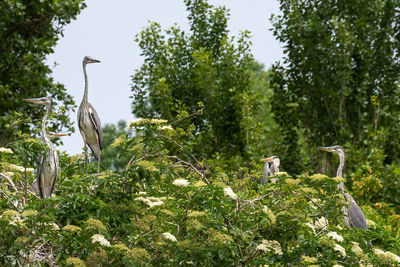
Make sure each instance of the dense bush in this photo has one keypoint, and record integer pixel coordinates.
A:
(163, 210)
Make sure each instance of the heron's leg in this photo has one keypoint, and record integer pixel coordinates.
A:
(98, 164)
(86, 159)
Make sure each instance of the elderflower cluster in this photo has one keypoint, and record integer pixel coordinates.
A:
(270, 245)
(166, 127)
(13, 217)
(386, 256)
(270, 214)
(281, 174)
(335, 236)
(358, 251)
(75, 262)
(5, 150)
(151, 201)
(181, 182)
(170, 237)
(308, 259)
(140, 121)
(229, 192)
(71, 228)
(319, 225)
(28, 213)
(101, 240)
(340, 249)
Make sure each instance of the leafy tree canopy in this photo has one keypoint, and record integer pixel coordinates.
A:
(338, 82)
(28, 32)
(201, 70)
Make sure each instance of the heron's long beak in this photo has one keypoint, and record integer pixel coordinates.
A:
(58, 134)
(32, 100)
(267, 159)
(94, 61)
(326, 148)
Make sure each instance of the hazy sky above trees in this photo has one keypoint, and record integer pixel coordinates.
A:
(106, 30)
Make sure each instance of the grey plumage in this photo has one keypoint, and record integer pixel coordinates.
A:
(354, 215)
(89, 122)
(270, 168)
(47, 172)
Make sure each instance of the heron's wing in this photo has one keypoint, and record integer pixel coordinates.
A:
(97, 124)
(266, 170)
(39, 177)
(56, 163)
(355, 214)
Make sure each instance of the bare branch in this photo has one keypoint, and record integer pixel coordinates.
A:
(9, 180)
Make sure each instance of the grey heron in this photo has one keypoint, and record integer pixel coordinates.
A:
(354, 215)
(270, 168)
(47, 172)
(89, 122)
(51, 135)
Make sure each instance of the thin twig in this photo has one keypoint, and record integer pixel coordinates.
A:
(9, 180)
(190, 165)
(191, 115)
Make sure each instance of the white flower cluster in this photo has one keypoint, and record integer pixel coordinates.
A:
(335, 236)
(19, 168)
(387, 255)
(151, 201)
(170, 236)
(5, 150)
(166, 127)
(100, 239)
(140, 121)
(180, 182)
(229, 192)
(141, 193)
(270, 245)
(340, 249)
(319, 225)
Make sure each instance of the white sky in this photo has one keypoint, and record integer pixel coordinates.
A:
(105, 30)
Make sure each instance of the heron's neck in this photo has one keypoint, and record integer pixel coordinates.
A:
(340, 170)
(85, 94)
(45, 137)
(341, 165)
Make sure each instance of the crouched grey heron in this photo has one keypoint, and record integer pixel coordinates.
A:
(47, 172)
(354, 215)
(270, 168)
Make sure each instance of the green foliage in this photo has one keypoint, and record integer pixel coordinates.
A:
(164, 210)
(338, 82)
(29, 31)
(204, 66)
(110, 157)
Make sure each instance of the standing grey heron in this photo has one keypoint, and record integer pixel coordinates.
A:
(89, 122)
(47, 172)
(354, 216)
(270, 168)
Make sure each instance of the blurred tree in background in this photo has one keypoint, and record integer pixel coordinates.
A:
(28, 32)
(182, 72)
(111, 157)
(338, 81)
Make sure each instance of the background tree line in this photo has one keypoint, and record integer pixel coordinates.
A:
(199, 170)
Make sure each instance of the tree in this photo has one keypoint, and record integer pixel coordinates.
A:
(111, 157)
(29, 31)
(182, 71)
(338, 82)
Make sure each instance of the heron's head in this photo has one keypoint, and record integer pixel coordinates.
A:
(274, 159)
(87, 60)
(41, 100)
(333, 149)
